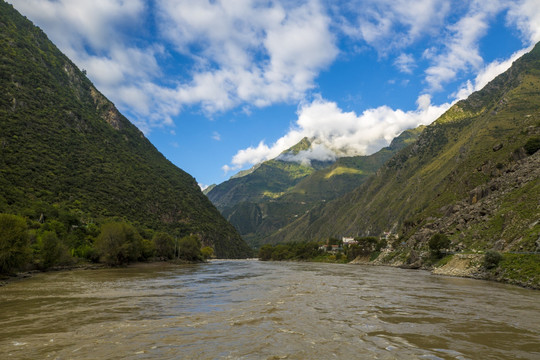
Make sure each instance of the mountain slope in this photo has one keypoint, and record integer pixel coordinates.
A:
(460, 178)
(260, 217)
(267, 180)
(63, 143)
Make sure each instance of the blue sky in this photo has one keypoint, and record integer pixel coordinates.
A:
(218, 86)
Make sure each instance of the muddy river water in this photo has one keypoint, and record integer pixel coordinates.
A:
(265, 310)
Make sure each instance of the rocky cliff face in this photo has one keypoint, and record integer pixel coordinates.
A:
(493, 206)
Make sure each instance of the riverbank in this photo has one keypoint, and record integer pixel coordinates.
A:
(7, 279)
(516, 269)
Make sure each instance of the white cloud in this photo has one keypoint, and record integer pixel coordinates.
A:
(488, 73)
(96, 23)
(462, 52)
(394, 24)
(316, 152)
(344, 133)
(216, 136)
(525, 15)
(405, 63)
(247, 51)
(244, 52)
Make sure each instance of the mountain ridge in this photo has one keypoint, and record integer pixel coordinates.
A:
(454, 161)
(257, 217)
(65, 145)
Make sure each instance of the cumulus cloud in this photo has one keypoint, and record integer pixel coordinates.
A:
(248, 51)
(95, 35)
(240, 52)
(97, 23)
(340, 133)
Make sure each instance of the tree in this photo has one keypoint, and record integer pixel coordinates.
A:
(437, 243)
(164, 244)
(265, 252)
(14, 249)
(189, 248)
(366, 244)
(532, 145)
(492, 259)
(207, 252)
(53, 252)
(119, 243)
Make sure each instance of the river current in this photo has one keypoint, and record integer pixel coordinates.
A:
(265, 310)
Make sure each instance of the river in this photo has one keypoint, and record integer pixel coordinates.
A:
(265, 310)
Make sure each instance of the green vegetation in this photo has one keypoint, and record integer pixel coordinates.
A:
(70, 162)
(164, 245)
(119, 243)
(323, 251)
(469, 175)
(189, 249)
(292, 251)
(207, 252)
(532, 145)
(437, 244)
(28, 245)
(492, 259)
(275, 193)
(13, 243)
(518, 269)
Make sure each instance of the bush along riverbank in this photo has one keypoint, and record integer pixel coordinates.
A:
(27, 246)
(333, 250)
(522, 269)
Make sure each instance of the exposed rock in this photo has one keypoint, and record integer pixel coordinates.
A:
(481, 206)
(464, 265)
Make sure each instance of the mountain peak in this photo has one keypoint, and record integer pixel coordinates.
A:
(303, 145)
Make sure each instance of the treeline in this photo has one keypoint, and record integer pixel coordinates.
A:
(332, 250)
(291, 251)
(27, 244)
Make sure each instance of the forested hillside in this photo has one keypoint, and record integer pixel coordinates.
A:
(257, 209)
(67, 155)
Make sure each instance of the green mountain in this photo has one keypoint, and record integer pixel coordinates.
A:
(265, 181)
(257, 212)
(65, 148)
(473, 175)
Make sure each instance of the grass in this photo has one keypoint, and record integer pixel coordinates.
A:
(519, 269)
(445, 260)
(342, 170)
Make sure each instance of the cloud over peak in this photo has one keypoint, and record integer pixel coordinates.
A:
(339, 133)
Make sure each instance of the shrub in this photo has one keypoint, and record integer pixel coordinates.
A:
(53, 252)
(14, 249)
(437, 243)
(492, 259)
(532, 145)
(164, 244)
(207, 252)
(265, 252)
(119, 243)
(148, 249)
(189, 248)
